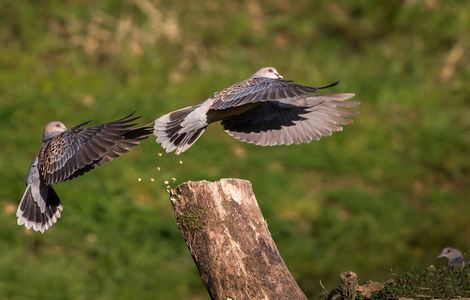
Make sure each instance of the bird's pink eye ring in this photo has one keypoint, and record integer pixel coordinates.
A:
(57, 125)
(270, 70)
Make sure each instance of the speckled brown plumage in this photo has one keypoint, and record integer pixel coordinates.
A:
(264, 110)
(66, 154)
(260, 89)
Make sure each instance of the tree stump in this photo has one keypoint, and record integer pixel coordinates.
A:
(230, 243)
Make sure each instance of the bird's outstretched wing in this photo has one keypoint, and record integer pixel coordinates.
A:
(260, 89)
(293, 121)
(78, 150)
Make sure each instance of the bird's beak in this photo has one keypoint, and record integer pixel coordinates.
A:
(279, 76)
(440, 255)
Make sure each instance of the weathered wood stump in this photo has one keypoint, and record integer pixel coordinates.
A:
(230, 243)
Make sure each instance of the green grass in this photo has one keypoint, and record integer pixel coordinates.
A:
(432, 283)
(441, 282)
(388, 192)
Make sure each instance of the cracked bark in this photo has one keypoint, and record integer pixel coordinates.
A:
(230, 243)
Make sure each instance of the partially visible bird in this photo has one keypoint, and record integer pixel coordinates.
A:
(264, 110)
(347, 287)
(68, 153)
(454, 256)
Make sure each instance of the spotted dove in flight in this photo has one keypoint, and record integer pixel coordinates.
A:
(264, 110)
(66, 154)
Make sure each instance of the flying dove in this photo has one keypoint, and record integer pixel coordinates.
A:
(454, 256)
(66, 154)
(264, 110)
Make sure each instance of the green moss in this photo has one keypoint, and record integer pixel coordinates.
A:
(192, 220)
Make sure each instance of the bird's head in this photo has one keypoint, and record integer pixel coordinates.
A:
(267, 72)
(450, 253)
(53, 129)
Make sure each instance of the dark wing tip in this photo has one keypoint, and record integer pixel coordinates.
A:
(130, 115)
(127, 119)
(140, 132)
(316, 88)
(329, 85)
(82, 124)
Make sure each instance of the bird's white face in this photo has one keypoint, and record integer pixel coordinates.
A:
(267, 72)
(53, 129)
(449, 252)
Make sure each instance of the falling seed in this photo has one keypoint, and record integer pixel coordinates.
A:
(173, 178)
(166, 182)
(181, 162)
(159, 154)
(152, 179)
(158, 168)
(139, 179)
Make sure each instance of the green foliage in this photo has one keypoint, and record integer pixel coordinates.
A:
(441, 283)
(390, 191)
(192, 220)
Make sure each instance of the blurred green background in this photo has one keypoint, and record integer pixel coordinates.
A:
(387, 193)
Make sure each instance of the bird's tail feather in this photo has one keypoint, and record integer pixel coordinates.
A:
(39, 214)
(179, 130)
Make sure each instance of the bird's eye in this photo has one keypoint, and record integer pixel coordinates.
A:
(57, 125)
(270, 70)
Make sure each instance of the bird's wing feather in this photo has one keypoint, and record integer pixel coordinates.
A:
(78, 150)
(299, 120)
(259, 90)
